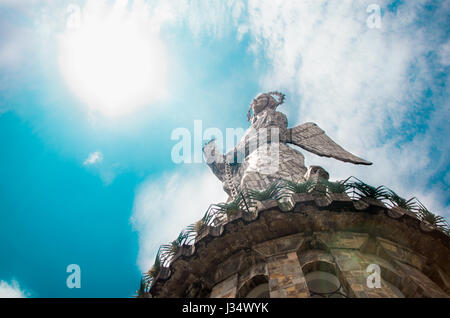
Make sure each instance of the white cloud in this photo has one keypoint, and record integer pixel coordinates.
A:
(164, 206)
(444, 53)
(11, 290)
(17, 45)
(93, 158)
(365, 87)
(212, 18)
(105, 170)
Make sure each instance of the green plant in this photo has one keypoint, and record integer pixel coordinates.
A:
(199, 225)
(435, 220)
(231, 207)
(154, 270)
(190, 233)
(171, 249)
(400, 202)
(299, 187)
(143, 287)
(272, 192)
(205, 220)
(335, 187)
(364, 190)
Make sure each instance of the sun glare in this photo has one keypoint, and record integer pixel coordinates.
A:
(112, 64)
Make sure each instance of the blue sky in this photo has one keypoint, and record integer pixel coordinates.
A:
(83, 184)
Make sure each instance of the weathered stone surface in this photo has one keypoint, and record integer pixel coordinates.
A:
(289, 249)
(286, 279)
(262, 156)
(284, 252)
(347, 240)
(311, 256)
(226, 288)
(281, 245)
(352, 238)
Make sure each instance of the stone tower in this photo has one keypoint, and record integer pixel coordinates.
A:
(287, 231)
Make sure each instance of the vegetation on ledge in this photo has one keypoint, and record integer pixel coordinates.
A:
(353, 187)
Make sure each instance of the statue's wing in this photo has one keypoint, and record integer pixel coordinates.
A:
(310, 137)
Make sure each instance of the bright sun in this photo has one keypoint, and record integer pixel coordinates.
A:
(112, 63)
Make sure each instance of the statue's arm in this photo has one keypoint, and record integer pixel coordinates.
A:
(310, 137)
(215, 159)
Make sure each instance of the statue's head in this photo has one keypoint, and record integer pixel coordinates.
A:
(265, 101)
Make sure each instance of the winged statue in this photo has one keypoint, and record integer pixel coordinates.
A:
(262, 156)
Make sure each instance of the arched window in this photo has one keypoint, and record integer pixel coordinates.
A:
(324, 284)
(320, 271)
(260, 291)
(256, 287)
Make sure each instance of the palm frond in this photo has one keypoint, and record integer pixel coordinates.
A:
(143, 288)
(190, 232)
(171, 249)
(299, 187)
(230, 207)
(204, 221)
(400, 202)
(335, 187)
(272, 192)
(364, 190)
(437, 221)
(154, 270)
(199, 225)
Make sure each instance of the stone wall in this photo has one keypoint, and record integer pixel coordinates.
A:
(283, 249)
(347, 256)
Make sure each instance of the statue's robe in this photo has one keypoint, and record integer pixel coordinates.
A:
(255, 164)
